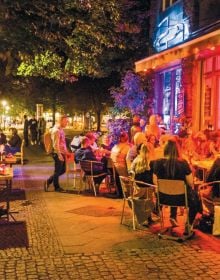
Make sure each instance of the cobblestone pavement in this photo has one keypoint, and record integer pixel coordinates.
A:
(32, 249)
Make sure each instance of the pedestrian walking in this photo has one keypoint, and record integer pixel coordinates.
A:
(41, 129)
(58, 154)
(25, 130)
(33, 130)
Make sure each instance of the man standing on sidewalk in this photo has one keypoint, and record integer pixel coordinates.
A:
(25, 131)
(59, 151)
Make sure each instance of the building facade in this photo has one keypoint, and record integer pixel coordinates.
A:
(184, 62)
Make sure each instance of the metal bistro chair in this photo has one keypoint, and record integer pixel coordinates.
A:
(5, 197)
(166, 190)
(73, 169)
(20, 155)
(92, 170)
(205, 192)
(129, 188)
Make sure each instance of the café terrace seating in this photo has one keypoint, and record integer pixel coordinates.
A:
(73, 169)
(92, 170)
(20, 155)
(166, 190)
(129, 185)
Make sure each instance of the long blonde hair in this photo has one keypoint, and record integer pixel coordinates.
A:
(141, 162)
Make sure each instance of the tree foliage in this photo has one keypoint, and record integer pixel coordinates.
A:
(131, 97)
(64, 39)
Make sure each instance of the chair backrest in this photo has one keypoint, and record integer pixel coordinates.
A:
(22, 146)
(69, 157)
(206, 189)
(167, 190)
(90, 167)
(127, 185)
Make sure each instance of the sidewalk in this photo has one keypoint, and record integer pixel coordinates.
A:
(71, 236)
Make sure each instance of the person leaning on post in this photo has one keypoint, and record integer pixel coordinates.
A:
(58, 154)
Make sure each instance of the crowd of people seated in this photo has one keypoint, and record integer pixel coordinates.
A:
(12, 144)
(150, 153)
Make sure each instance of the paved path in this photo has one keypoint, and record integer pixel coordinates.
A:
(71, 236)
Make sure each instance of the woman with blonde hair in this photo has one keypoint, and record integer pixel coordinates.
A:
(140, 167)
(153, 127)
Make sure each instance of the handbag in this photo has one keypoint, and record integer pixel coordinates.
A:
(216, 224)
(206, 224)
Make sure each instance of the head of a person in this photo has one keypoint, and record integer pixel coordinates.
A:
(106, 140)
(152, 139)
(139, 138)
(123, 138)
(136, 120)
(92, 137)
(13, 130)
(143, 150)
(153, 120)
(63, 121)
(142, 161)
(25, 117)
(85, 142)
(171, 149)
(143, 121)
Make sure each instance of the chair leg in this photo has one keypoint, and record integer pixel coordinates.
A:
(123, 210)
(133, 215)
(93, 186)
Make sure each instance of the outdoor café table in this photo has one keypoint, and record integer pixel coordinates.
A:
(9, 160)
(5, 189)
(203, 165)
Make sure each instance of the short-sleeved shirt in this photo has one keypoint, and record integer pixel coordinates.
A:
(182, 169)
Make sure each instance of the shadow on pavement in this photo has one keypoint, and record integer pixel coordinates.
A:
(13, 235)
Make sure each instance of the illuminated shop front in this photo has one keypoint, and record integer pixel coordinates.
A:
(186, 71)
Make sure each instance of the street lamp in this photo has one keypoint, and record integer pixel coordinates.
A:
(4, 103)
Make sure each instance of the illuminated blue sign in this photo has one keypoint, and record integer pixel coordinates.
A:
(173, 28)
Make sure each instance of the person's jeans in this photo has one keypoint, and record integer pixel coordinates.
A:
(59, 169)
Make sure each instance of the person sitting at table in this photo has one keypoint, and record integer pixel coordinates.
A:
(153, 128)
(118, 156)
(201, 146)
(173, 167)
(3, 139)
(140, 167)
(14, 143)
(106, 145)
(86, 153)
(214, 175)
(139, 138)
(93, 138)
(152, 143)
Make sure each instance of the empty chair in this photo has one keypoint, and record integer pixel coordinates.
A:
(73, 169)
(20, 155)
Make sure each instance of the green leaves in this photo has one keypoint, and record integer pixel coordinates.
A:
(61, 39)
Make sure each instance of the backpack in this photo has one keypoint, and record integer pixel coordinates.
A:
(75, 143)
(48, 144)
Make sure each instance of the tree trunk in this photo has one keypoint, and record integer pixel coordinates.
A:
(98, 113)
(54, 107)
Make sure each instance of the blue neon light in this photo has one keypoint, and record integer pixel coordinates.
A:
(172, 29)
